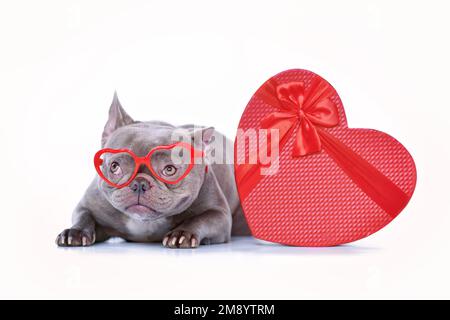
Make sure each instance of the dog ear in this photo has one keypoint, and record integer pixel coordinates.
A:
(202, 134)
(117, 118)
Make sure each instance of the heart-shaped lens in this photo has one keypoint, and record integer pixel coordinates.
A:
(117, 167)
(172, 164)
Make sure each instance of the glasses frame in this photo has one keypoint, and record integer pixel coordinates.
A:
(139, 161)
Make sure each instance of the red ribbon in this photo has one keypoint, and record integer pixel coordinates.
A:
(305, 109)
(307, 113)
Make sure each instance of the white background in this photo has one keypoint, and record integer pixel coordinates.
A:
(200, 61)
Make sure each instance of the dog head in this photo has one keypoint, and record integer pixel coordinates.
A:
(146, 197)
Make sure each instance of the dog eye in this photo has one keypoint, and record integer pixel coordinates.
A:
(169, 170)
(115, 168)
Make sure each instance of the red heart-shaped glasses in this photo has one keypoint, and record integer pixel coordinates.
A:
(168, 163)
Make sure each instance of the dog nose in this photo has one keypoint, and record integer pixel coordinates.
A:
(140, 185)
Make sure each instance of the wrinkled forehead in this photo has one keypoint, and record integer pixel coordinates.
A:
(141, 140)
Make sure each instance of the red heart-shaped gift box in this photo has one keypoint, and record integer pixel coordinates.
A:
(332, 184)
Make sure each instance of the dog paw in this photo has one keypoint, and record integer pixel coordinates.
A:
(75, 238)
(181, 239)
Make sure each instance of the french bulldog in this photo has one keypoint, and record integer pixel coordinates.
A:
(202, 208)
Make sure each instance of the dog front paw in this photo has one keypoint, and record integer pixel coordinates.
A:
(75, 238)
(181, 239)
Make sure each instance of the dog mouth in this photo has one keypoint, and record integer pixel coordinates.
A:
(139, 208)
(142, 212)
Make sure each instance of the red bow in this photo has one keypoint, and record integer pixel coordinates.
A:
(306, 108)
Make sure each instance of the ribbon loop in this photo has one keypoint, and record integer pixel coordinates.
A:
(302, 110)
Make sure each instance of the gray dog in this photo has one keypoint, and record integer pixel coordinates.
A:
(202, 208)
